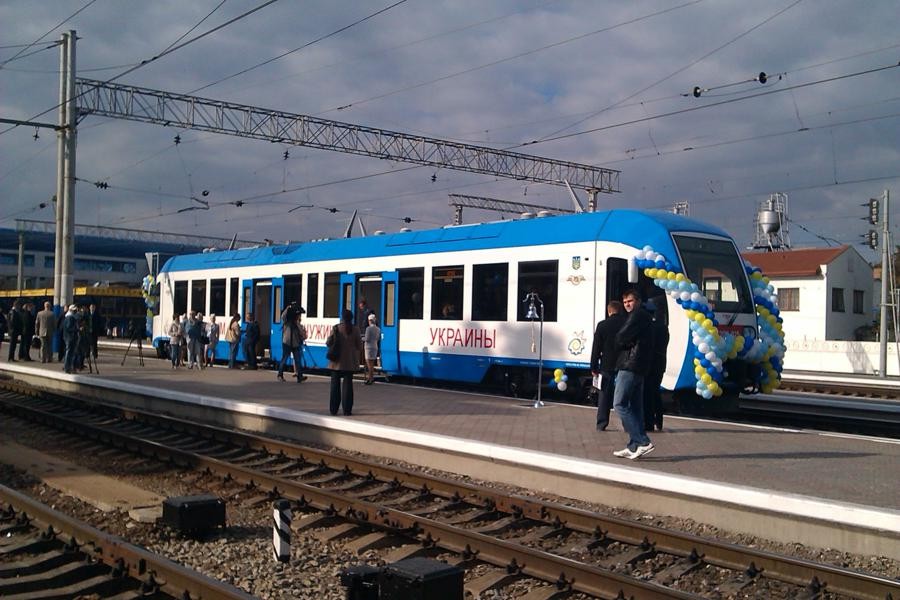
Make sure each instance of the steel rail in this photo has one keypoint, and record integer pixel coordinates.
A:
(176, 580)
(774, 566)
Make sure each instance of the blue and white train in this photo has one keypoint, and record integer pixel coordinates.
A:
(454, 303)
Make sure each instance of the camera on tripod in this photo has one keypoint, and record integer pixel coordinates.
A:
(293, 309)
(137, 329)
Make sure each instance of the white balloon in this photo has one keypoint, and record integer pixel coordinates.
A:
(685, 296)
(561, 386)
(711, 356)
(703, 347)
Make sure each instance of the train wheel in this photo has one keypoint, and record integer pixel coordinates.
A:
(512, 384)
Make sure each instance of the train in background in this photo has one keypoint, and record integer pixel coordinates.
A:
(463, 303)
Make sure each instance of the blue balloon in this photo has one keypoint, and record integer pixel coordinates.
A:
(565, 377)
(668, 266)
(704, 363)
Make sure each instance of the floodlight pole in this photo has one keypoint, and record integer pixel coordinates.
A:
(886, 283)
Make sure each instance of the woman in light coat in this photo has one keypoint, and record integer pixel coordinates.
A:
(371, 340)
(176, 337)
(233, 337)
(347, 336)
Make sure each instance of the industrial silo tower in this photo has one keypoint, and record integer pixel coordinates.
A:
(772, 224)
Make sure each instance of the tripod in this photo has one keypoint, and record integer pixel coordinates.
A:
(91, 362)
(140, 347)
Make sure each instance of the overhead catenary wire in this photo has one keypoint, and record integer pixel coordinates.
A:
(306, 45)
(49, 31)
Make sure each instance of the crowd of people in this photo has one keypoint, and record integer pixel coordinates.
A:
(628, 356)
(75, 333)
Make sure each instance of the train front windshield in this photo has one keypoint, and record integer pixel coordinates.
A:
(715, 266)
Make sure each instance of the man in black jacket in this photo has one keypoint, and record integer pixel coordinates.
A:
(653, 411)
(603, 359)
(635, 344)
(16, 326)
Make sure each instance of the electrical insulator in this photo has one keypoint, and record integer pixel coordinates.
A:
(762, 77)
(697, 91)
(873, 211)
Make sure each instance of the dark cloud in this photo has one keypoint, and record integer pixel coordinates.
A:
(422, 67)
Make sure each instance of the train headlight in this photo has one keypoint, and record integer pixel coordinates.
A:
(749, 333)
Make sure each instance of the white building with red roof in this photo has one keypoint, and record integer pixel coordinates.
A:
(823, 293)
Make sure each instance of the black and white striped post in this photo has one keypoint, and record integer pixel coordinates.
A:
(281, 530)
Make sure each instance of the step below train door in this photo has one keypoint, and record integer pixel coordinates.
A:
(389, 323)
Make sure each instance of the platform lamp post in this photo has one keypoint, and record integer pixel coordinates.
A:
(536, 311)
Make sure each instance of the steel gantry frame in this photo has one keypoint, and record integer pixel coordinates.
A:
(191, 112)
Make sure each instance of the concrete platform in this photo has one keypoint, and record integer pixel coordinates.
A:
(821, 489)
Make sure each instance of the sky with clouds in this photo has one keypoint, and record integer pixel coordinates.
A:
(606, 83)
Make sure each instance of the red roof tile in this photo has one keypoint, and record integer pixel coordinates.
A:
(806, 262)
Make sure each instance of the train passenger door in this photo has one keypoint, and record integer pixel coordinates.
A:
(389, 323)
(262, 312)
(275, 324)
(246, 308)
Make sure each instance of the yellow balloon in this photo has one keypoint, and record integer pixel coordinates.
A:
(679, 277)
(705, 378)
(699, 370)
(557, 373)
(707, 324)
(700, 317)
(670, 276)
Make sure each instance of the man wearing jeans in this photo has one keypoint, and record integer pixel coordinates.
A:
(635, 343)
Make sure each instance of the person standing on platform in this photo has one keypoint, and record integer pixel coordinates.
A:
(70, 337)
(634, 341)
(98, 327)
(251, 338)
(3, 325)
(292, 337)
(16, 325)
(371, 340)
(233, 337)
(212, 334)
(195, 347)
(362, 315)
(603, 359)
(344, 347)
(653, 411)
(45, 324)
(176, 336)
(28, 318)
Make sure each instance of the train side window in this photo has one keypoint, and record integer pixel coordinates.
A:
(490, 292)
(276, 308)
(616, 279)
(312, 295)
(412, 284)
(217, 297)
(293, 290)
(198, 295)
(332, 306)
(446, 293)
(390, 297)
(541, 276)
(180, 299)
(233, 298)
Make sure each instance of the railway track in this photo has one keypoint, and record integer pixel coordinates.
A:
(46, 554)
(547, 549)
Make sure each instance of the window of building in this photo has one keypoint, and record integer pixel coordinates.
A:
(490, 292)
(217, 297)
(332, 306)
(789, 299)
(412, 284)
(447, 293)
(540, 277)
(312, 295)
(180, 298)
(198, 295)
(837, 299)
(859, 302)
(8, 258)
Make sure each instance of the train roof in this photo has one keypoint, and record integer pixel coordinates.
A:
(633, 227)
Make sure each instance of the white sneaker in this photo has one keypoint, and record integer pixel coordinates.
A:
(642, 451)
(624, 453)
